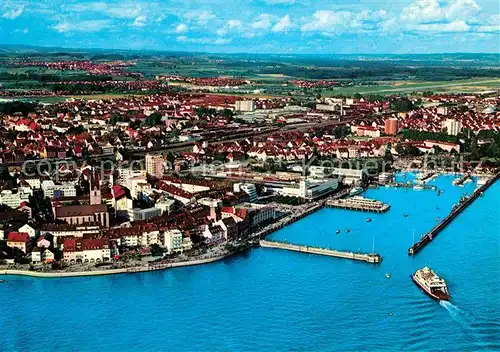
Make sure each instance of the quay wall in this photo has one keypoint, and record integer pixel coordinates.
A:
(137, 269)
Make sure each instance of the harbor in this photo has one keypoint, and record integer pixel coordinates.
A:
(371, 258)
(359, 203)
(457, 209)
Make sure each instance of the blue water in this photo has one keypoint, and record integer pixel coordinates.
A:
(274, 300)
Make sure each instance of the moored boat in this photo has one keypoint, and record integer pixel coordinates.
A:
(355, 191)
(431, 283)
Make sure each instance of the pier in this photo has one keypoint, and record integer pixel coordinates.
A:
(462, 180)
(371, 258)
(359, 204)
(410, 185)
(464, 203)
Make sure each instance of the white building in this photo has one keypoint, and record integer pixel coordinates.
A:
(28, 229)
(453, 127)
(150, 237)
(172, 240)
(137, 214)
(248, 188)
(50, 189)
(309, 189)
(245, 105)
(14, 199)
(166, 205)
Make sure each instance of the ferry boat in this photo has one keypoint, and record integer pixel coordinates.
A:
(355, 191)
(431, 283)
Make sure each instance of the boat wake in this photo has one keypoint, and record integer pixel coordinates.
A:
(458, 315)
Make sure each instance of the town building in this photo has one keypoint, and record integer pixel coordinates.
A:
(20, 240)
(155, 164)
(51, 190)
(248, 188)
(14, 198)
(172, 240)
(83, 214)
(453, 127)
(391, 126)
(245, 105)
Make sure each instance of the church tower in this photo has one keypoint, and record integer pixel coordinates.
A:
(95, 188)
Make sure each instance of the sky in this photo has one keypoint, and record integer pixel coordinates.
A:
(256, 26)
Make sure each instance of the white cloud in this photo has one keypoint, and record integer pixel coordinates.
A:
(14, 13)
(428, 11)
(264, 21)
(280, 2)
(181, 28)
(202, 17)
(422, 11)
(25, 30)
(461, 9)
(218, 41)
(283, 24)
(82, 26)
(328, 21)
(125, 9)
(455, 26)
(234, 23)
(140, 21)
(222, 41)
(230, 26)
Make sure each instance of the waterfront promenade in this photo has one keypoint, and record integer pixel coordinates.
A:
(372, 258)
(133, 269)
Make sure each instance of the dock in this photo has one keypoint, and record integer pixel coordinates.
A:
(464, 203)
(359, 204)
(462, 180)
(371, 258)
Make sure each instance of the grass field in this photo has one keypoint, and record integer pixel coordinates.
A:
(457, 86)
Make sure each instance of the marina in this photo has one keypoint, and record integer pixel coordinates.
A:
(457, 209)
(372, 258)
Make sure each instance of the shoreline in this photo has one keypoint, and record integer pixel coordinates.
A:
(130, 270)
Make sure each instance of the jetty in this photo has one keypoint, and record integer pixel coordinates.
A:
(359, 203)
(371, 258)
(457, 209)
(408, 185)
(462, 180)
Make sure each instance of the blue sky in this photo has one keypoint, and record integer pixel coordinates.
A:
(256, 26)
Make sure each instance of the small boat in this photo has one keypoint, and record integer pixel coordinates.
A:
(438, 219)
(390, 314)
(3, 281)
(418, 187)
(406, 215)
(431, 283)
(337, 232)
(347, 230)
(387, 275)
(368, 220)
(355, 191)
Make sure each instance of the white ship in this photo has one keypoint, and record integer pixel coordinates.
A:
(431, 283)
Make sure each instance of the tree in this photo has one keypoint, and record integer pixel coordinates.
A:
(156, 250)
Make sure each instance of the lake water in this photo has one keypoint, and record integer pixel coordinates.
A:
(269, 300)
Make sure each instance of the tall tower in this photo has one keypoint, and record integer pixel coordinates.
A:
(95, 188)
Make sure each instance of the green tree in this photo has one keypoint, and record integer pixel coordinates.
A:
(156, 250)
